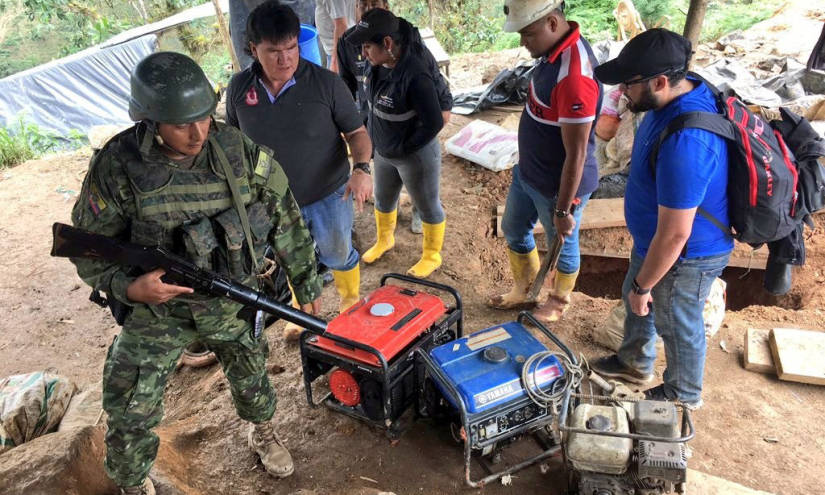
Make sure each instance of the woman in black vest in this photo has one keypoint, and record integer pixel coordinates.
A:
(404, 120)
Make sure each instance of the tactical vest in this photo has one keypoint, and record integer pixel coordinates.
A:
(190, 211)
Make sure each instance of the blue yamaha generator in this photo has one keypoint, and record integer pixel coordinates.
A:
(499, 385)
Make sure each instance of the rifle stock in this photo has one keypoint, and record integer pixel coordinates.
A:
(72, 242)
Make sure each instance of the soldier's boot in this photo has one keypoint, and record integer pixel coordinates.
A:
(268, 445)
(145, 488)
(291, 330)
(431, 250)
(385, 235)
(347, 282)
(559, 299)
(524, 268)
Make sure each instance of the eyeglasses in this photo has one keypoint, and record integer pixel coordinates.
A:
(631, 82)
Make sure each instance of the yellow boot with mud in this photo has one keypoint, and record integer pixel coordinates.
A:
(291, 330)
(559, 299)
(347, 282)
(524, 268)
(430, 251)
(385, 234)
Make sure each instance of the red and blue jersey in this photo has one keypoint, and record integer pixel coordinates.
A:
(562, 91)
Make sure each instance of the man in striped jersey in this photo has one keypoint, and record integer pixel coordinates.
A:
(557, 170)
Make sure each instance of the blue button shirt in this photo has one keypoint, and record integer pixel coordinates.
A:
(285, 87)
(691, 171)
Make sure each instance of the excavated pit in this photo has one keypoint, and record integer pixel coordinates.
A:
(603, 277)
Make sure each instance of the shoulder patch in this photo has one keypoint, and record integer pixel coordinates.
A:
(264, 164)
(96, 202)
(277, 180)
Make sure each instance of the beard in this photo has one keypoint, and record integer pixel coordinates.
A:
(647, 101)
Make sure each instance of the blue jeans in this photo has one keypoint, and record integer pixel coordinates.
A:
(524, 206)
(678, 301)
(330, 222)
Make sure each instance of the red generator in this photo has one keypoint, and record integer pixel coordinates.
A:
(367, 352)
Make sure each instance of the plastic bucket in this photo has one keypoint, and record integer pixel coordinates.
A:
(308, 44)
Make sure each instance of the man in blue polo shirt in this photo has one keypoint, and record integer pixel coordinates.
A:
(677, 254)
(557, 168)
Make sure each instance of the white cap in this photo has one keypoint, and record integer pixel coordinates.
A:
(522, 13)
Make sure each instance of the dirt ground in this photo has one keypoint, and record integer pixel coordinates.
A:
(753, 430)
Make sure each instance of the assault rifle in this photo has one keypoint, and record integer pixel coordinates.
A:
(71, 242)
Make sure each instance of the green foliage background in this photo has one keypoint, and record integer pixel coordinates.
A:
(33, 32)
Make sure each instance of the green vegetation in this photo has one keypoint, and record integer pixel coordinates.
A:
(475, 25)
(26, 141)
(33, 32)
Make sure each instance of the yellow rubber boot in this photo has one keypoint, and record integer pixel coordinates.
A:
(347, 282)
(524, 268)
(385, 233)
(430, 250)
(291, 330)
(559, 299)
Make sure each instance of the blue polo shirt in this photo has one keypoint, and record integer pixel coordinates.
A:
(562, 91)
(691, 171)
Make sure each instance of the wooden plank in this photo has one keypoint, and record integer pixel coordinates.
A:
(798, 355)
(757, 356)
(603, 213)
(431, 42)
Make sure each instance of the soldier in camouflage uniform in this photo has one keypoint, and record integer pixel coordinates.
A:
(163, 182)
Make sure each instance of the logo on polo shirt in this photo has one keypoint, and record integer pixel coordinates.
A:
(252, 97)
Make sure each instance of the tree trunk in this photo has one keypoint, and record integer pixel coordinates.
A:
(236, 66)
(694, 20)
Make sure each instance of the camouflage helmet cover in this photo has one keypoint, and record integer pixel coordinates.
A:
(170, 88)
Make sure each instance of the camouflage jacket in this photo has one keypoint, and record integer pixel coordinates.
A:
(134, 192)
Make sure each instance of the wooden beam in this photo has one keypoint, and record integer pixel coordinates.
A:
(798, 355)
(757, 355)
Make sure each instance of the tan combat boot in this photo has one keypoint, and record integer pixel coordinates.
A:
(265, 442)
(524, 267)
(145, 488)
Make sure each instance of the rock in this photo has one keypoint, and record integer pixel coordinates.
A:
(68, 462)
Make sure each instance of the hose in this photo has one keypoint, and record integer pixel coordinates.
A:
(552, 396)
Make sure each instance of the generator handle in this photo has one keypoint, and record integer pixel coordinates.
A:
(529, 316)
(688, 431)
(439, 375)
(433, 285)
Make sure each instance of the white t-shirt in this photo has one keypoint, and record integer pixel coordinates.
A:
(325, 12)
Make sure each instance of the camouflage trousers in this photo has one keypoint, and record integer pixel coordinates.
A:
(147, 350)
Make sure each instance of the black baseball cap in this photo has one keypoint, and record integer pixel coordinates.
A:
(374, 22)
(653, 52)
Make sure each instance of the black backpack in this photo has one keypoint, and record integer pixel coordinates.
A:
(762, 177)
(808, 148)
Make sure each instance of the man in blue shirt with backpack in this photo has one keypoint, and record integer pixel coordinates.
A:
(677, 253)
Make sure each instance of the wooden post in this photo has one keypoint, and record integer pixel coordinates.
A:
(430, 8)
(236, 66)
(694, 20)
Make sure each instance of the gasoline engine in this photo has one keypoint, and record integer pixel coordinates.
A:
(366, 353)
(624, 446)
(501, 385)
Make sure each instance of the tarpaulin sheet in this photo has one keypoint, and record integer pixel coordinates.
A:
(76, 92)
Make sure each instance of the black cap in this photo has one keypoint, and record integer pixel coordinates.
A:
(374, 23)
(653, 52)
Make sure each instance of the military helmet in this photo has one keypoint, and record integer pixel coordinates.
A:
(170, 88)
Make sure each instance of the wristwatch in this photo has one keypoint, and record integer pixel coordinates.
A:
(637, 289)
(560, 213)
(362, 166)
